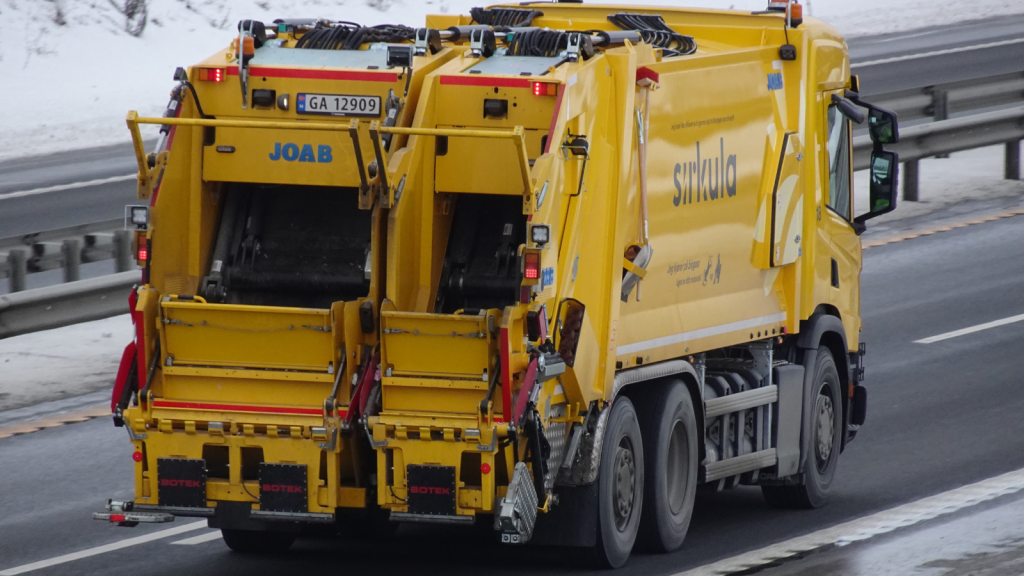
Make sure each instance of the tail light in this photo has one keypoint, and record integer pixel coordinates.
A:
(211, 74)
(545, 89)
(531, 265)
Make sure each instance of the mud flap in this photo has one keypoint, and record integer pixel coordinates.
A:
(181, 482)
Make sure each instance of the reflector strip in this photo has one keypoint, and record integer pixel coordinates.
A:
(487, 82)
(319, 74)
(238, 408)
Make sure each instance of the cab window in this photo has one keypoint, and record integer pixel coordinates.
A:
(839, 163)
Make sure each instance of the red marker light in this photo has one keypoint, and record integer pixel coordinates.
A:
(531, 269)
(117, 517)
(545, 89)
(143, 253)
(211, 74)
(485, 468)
(137, 456)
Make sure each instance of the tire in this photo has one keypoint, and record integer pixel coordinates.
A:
(668, 427)
(620, 486)
(822, 452)
(256, 542)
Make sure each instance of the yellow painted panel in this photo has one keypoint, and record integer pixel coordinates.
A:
(479, 165)
(436, 344)
(249, 336)
(284, 157)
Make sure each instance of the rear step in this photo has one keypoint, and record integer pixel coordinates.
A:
(123, 514)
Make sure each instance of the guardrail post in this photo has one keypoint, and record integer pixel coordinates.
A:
(940, 109)
(1012, 160)
(72, 252)
(910, 175)
(122, 250)
(17, 264)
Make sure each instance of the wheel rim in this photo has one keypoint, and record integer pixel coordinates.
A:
(825, 413)
(625, 483)
(678, 458)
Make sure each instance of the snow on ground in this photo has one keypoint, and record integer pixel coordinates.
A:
(55, 364)
(72, 71)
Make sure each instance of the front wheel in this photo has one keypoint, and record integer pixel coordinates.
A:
(255, 542)
(826, 429)
(620, 486)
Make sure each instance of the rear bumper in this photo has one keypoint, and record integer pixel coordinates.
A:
(220, 466)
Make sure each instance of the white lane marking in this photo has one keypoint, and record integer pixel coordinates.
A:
(103, 549)
(869, 526)
(201, 539)
(937, 53)
(972, 329)
(72, 186)
(701, 333)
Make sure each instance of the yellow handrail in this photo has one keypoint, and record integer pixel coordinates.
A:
(518, 134)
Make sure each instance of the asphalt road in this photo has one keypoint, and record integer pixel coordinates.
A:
(59, 209)
(940, 415)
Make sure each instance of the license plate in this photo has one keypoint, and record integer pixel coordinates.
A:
(338, 105)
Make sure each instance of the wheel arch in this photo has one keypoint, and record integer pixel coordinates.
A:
(683, 371)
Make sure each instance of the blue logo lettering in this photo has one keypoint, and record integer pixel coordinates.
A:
(775, 81)
(323, 153)
(548, 277)
(291, 152)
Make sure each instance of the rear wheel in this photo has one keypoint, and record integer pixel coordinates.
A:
(255, 542)
(826, 428)
(669, 430)
(620, 486)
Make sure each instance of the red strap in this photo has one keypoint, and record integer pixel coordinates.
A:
(362, 391)
(127, 357)
(524, 393)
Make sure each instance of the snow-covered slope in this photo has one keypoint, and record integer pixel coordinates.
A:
(72, 70)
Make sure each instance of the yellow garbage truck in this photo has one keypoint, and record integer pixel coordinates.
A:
(547, 267)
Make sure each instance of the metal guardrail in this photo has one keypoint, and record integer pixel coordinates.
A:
(66, 304)
(938, 102)
(60, 248)
(943, 136)
(948, 136)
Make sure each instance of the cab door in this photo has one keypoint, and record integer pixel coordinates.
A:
(837, 217)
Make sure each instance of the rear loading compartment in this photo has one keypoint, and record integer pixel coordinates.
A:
(298, 246)
(481, 265)
(252, 377)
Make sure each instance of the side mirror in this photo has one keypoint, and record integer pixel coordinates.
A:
(884, 179)
(883, 127)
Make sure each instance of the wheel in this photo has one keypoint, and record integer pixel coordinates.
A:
(620, 486)
(668, 427)
(255, 542)
(825, 441)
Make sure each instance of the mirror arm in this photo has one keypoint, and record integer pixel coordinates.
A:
(848, 109)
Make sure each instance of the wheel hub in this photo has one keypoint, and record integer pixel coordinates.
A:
(825, 429)
(625, 483)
